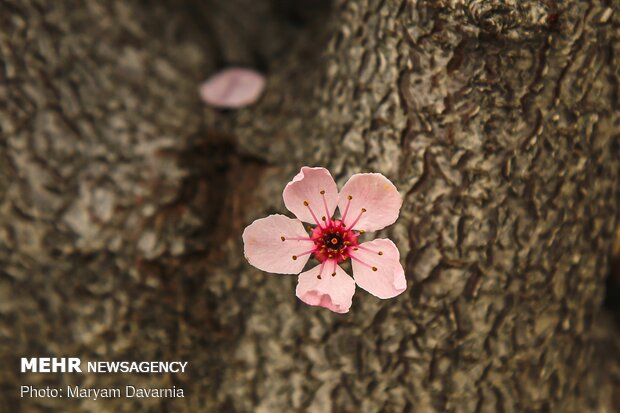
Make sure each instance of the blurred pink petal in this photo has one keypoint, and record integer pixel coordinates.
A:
(307, 187)
(233, 88)
(376, 268)
(369, 202)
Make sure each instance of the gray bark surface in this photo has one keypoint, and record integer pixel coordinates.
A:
(122, 200)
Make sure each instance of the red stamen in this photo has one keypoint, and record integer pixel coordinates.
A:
(357, 219)
(303, 253)
(283, 238)
(329, 220)
(321, 270)
(369, 250)
(362, 262)
(346, 210)
(307, 205)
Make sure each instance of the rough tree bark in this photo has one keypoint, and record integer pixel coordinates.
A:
(122, 200)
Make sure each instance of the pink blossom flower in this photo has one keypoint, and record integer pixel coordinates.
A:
(367, 202)
(233, 88)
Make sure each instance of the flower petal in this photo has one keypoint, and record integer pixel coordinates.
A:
(334, 292)
(389, 278)
(263, 246)
(233, 88)
(374, 194)
(307, 186)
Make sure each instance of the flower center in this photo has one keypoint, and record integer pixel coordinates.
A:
(333, 241)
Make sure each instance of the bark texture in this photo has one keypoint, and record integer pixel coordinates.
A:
(122, 200)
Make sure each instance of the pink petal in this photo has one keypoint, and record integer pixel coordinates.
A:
(373, 193)
(263, 246)
(307, 186)
(233, 88)
(332, 292)
(389, 279)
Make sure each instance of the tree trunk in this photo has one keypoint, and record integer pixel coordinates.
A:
(122, 200)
